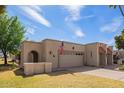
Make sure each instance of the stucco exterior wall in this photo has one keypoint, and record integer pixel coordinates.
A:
(53, 46)
(110, 56)
(48, 52)
(37, 68)
(27, 47)
(43, 52)
(91, 52)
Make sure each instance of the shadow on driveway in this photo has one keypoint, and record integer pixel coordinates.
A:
(62, 71)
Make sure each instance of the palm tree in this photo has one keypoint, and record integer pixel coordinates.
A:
(2, 9)
(120, 8)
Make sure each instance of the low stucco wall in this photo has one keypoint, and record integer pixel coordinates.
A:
(37, 68)
(48, 67)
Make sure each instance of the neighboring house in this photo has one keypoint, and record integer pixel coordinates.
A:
(118, 54)
(66, 54)
(121, 53)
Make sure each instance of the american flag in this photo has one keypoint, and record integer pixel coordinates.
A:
(61, 49)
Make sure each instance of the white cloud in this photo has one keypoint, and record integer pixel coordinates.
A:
(36, 7)
(74, 12)
(74, 15)
(113, 26)
(30, 31)
(88, 16)
(32, 12)
(79, 33)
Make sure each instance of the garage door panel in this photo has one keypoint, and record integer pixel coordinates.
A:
(70, 60)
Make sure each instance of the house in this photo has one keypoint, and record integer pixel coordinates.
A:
(64, 54)
(118, 54)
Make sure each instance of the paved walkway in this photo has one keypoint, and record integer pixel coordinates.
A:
(101, 72)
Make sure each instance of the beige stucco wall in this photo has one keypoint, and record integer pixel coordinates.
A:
(37, 68)
(53, 46)
(46, 46)
(94, 59)
(110, 57)
(27, 47)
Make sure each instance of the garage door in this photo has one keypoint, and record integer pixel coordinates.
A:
(71, 59)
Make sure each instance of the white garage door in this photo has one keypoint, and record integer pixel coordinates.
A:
(71, 59)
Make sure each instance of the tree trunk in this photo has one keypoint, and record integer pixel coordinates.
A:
(5, 59)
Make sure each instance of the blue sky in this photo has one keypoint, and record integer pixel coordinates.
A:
(80, 24)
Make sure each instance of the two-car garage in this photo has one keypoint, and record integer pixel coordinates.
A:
(71, 59)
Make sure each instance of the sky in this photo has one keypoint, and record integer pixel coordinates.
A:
(78, 24)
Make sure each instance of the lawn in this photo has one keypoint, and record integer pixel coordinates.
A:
(16, 78)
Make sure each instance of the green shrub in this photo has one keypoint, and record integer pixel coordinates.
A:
(121, 67)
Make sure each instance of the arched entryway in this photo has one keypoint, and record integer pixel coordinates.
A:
(33, 56)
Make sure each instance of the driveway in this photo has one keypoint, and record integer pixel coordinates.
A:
(101, 72)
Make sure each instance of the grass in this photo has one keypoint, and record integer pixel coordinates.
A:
(62, 79)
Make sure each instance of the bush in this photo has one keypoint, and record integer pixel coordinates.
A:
(121, 67)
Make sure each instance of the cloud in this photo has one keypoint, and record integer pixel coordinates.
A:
(36, 7)
(74, 12)
(30, 31)
(88, 16)
(74, 15)
(32, 12)
(79, 33)
(113, 26)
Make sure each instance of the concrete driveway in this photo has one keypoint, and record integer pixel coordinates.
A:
(101, 72)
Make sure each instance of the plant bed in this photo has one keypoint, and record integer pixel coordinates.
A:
(9, 66)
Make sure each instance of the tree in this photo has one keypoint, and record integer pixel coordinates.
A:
(120, 8)
(119, 41)
(2, 9)
(11, 35)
